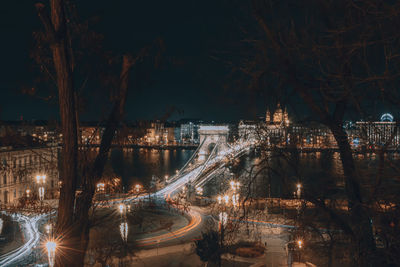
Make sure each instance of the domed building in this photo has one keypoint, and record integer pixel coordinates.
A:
(279, 117)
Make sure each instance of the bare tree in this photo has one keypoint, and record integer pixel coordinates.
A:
(73, 213)
(340, 58)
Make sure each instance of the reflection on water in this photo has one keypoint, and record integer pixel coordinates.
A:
(273, 175)
(270, 174)
(139, 165)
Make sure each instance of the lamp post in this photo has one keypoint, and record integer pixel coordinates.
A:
(137, 188)
(51, 252)
(199, 191)
(122, 209)
(234, 185)
(41, 180)
(300, 245)
(298, 192)
(48, 228)
(219, 199)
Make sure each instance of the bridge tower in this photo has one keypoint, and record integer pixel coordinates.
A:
(211, 136)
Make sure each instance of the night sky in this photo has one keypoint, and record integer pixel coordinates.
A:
(191, 80)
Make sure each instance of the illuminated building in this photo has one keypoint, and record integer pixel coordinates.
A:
(19, 168)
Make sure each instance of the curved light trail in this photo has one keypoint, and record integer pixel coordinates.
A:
(32, 233)
(195, 221)
(32, 236)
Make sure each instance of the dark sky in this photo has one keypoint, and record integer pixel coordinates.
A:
(193, 31)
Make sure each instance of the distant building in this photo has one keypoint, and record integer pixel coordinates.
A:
(19, 168)
(190, 132)
(177, 134)
(169, 135)
(277, 130)
(278, 117)
(248, 130)
(90, 135)
(385, 132)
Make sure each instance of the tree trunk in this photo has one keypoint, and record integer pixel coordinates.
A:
(361, 222)
(95, 171)
(56, 32)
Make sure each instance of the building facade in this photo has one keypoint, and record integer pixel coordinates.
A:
(20, 168)
(277, 130)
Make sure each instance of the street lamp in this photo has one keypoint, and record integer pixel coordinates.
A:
(100, 187)
(40, 180)
(122, 208)
(219, 198)
(28, 191)
(199, 190)
(226, 199)
(298, 190)
(137, 188)
(48, 228)
(300, 243)
(234, 185)
(51, 252)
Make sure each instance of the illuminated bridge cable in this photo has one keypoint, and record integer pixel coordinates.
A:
(208, 177)
(206, 162)
(192, 157)
(180, 172)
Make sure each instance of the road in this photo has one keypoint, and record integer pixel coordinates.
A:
(31, 224)
(31, 235)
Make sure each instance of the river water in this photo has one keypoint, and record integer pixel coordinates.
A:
(265, 174)
(138, 165)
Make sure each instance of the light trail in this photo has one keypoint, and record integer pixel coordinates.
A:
(195, 221)
(32, 235)
(31, 224)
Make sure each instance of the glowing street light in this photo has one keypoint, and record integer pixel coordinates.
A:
(219, 198)
(137, 188)
(234, 185)
(121, 208)
(298, 190)
(28, 191)
(226, 199)
(48, 228)
(51, 252)
(100, 187)
(41, 180)
(300, 243)
(199, 190)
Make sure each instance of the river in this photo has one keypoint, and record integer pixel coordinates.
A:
(277, 175)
